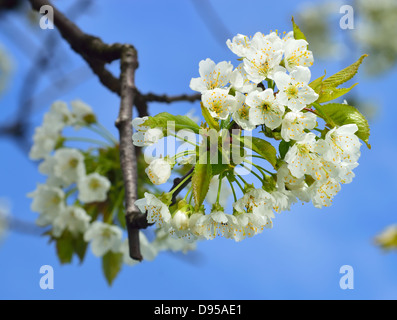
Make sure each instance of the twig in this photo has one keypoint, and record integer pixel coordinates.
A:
(177, 181)
(134, 218)
(150, 97)
(95, 52)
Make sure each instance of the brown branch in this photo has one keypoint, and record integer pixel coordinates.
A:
(151, 97)
(95, 52)
(134, 218)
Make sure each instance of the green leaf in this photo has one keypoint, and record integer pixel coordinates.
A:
(343, 75)
(298, 34)
(212, 123)
(80, 247)
(181, 122)
(201, 179)
(336, 114)
(283, 148)
(327, 89)
(332, 93)
(317, 84)
(263, 148)
(111, 265)
(65, 249)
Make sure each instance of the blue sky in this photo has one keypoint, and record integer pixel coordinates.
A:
(299, 258)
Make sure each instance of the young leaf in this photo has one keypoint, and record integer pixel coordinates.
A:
(263, 148)
(64, 246)
(201, 179)
(317, 84)
(111, 265)
(80, 247)
(283, 148)
(181, 122)
(336, 114)
(332, 93)
(343, 75)
(298, 34)
(327, 89)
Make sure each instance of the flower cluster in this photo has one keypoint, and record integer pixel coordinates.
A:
(82, 197)
(270, 93)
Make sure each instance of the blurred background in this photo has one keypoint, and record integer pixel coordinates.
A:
(301, 257)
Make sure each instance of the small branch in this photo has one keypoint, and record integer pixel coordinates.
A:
(177, 181)
(92, 49)
(134, 217)
(151, 97)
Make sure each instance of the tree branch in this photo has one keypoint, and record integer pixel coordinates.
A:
(128, 65)
(95, 52)
(150, 97)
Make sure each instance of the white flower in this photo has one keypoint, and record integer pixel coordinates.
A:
(286, 181)
(103, 237)
(212, 75)
(341, 144)
(196, 229)
(164, 241)
(180, 220)
(46, 167)
(302, 157)
(144, 135)
(148, 250)
(256, 201)
(93, 187)
(323, 191)
(283, 199)
(239, 80)
(294, 91)
(262, 64)
(73, 219)
(265, 109)
(219, 103)
(239, 45)
(69, 165)
(241, 113)
(180, 223)
(246, 225)
(59, 116)
(158, 171)
(296, 54)
(48, 202)
(82, 113)
(44, 142)
(157, 211)
(211, 224)
(294, 124)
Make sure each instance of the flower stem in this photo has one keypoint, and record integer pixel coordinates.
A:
(102, 134)
(254, 173)
(234, 192)
(219, 188)
(174, 135)
(107, 132)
